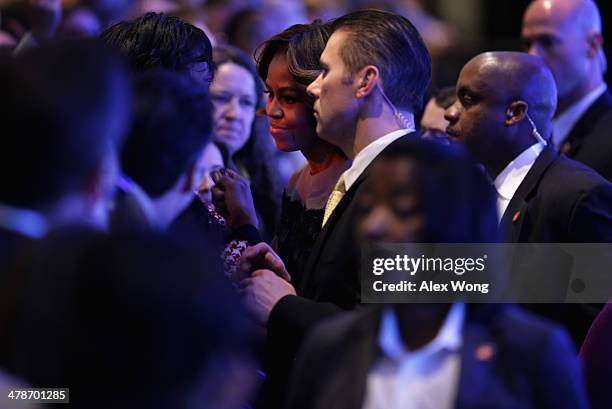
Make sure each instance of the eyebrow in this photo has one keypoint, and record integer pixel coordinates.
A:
(284, 88)
(463, 90)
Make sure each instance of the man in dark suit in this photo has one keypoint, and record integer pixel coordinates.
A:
(364, 104)
(505, 102)
(424, 355)
(566, 34)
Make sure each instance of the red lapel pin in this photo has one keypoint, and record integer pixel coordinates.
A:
(516, 216)
(484, 352)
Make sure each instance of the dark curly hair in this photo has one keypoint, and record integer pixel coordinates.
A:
(302, 44)
(155, 40)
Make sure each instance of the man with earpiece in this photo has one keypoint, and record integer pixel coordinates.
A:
(505, 105)
(566, 35)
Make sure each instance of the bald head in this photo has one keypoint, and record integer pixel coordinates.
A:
(498, 94)
(566, 34)
(583, 14)
(516, 76)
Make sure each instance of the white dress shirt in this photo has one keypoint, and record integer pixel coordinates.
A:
(563, 124)
(364, 157)
(26, 222)
(509, 180)
(427, 378)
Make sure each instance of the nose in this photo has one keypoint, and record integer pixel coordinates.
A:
(273, 109)
(314, 88)
(230, 110)
(452, 113)
(375, 225)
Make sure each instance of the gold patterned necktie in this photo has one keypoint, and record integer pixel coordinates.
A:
(334, 199)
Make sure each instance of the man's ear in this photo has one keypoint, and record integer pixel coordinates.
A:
(516, 112)
(595, 42)
(366, 79)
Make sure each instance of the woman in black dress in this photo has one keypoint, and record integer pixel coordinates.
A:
(287, 63)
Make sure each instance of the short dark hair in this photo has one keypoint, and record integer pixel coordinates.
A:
(391, 43)
(155, 40)
(171, 126)
(302, 44)
(64, 107)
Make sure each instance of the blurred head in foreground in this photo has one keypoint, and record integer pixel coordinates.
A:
(424, 191)
(152, 320)
(64, 108)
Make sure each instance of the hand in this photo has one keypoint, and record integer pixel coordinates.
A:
(262, 256)
(262, 291)
(232, 198)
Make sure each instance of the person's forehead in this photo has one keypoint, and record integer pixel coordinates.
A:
(333, 46)
(544, 17)
(234, 77)
(278, 72)
(479, 76)
(390, 173)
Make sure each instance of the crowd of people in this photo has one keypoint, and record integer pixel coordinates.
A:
(183, 211)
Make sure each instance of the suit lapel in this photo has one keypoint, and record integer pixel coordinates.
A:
(347, 390)
(324, 234)
(513, 218)
(478, 358)
(586, 123)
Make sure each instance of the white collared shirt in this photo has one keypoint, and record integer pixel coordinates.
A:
(364, 157)
(427, 378)
(563, 124)
(509, 180)
(26, 222)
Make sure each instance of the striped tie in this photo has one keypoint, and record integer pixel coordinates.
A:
(334, 198)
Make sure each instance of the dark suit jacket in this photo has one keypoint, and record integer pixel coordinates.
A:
(533, 364)
(597, 359)
(589, 140)
(330, 284)
(559, 201)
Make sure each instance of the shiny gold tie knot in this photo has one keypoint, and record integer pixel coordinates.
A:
(334, 198)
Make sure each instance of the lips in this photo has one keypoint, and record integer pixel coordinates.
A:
(277, 130)
(452, 132)
(224, 128)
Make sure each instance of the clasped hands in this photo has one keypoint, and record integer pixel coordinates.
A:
(264, 282)
(262, 277)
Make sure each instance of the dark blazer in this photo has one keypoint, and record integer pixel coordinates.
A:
(597, 359)
(530, 364)
(589, 141)
(559, 201)
(330, 284)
